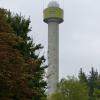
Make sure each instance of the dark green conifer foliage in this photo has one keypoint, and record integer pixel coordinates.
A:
(93, 83)
(93, 77)
(82, 77)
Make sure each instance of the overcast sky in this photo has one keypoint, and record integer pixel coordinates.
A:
(79, 41)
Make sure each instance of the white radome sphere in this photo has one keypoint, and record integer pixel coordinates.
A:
(53, 4)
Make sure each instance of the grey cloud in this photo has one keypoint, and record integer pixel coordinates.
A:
(79, 34)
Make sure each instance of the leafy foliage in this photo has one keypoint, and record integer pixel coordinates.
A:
(93, 83)
(21, 70)
(70, 89)
(4, 27)
(28, 50)
(13, 69)
(87, 87)
(82, 77)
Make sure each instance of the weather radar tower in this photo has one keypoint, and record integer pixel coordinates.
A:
(53, 16)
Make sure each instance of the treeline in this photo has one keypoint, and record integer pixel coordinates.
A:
(85, 87)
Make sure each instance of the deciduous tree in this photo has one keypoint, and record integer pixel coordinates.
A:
(21, 70)
(71, 89)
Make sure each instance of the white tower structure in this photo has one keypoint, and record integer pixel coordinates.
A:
(53, 16)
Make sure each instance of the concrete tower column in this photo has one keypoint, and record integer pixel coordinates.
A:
(53, 56)
(53, 16)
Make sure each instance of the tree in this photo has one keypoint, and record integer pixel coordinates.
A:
(93, 83)
(71, 89)
(93, 77)
(82, 77)
(97, 89)
(13, 68)
(21, 76)
(21, 28)
(57, 96)
(4, 27)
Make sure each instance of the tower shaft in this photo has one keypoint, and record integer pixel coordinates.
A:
(53, 56)
(53, 16)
